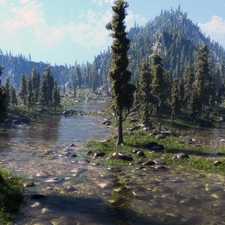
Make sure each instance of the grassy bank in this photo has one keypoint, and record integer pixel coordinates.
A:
(202, 156)
(11, 199)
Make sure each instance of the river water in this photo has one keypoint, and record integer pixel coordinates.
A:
(80, 193)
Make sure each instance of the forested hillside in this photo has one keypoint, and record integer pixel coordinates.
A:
(171, 35)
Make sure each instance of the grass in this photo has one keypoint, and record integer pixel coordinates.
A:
(11, 199)
(201, 156)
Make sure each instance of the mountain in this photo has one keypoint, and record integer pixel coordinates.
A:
(175, 38)
(172, 35)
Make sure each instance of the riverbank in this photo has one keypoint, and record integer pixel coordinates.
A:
(11, 198)
(180, 145)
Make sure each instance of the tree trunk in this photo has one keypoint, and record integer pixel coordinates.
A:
(120, 130)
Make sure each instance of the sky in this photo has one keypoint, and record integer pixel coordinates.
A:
(69, 31)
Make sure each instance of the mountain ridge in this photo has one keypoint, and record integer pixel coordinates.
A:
(172, 35)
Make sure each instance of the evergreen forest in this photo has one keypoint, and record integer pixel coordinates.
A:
(176, 69)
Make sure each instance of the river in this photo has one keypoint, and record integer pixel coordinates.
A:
(80, 193)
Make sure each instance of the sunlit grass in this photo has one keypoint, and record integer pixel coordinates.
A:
(201, 157)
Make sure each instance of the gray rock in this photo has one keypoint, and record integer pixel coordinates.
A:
(28, 184)
(54, 180)
(98, 154)
(217, 163)
(42, 174)
(159, 162)
(140, 154)
(180, 156)
(34, 196)
(159, 136)
(123, 156)
(158, 148)
(148, 163)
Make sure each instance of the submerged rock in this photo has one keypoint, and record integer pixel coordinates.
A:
(70, 189)
(42, 174)
(54, 180)
(114, 169)
(34, 196)
(81, 161)
(28, 184)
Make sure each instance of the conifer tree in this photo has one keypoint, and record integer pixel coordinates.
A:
(143, 97)
(189, 78)
(194, 106)
(158, 82)
(6, 89)
(13, 98)
(47, 87)
(202, 75)
(122, 90)
(42, 94)
(35, 79)
(30, 93)
(175, 99)
(95, 76)
(55, 96)
(2, 98)
(73, 83)
(23, 88)
(79, 76)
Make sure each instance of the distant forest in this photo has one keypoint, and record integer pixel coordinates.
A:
(171, 35)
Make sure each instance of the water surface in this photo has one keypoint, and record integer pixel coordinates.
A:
(80, 193)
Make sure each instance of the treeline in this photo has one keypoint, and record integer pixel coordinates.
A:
(34, 91)
(193, 96)
(171, 35)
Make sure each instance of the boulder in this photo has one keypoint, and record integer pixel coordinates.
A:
(140, 154)
(7, 122)
(28, 184)
(150, 145)
(34, 196)
(106, 122)
(160, 136)
(158, 148)
(159, 162)
(133, 120)
(123, 156)
(217, 163)
(98, 154)
(168, 133)
(148, 163)
(180, 156)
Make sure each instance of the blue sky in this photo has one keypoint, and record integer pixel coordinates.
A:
(66, 31)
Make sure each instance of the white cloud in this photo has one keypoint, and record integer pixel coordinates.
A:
(101, 2)
(24, 27)
(215, 28)
(25, 30)
(132, 18)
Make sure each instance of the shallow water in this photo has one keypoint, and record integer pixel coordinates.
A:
(80, 193)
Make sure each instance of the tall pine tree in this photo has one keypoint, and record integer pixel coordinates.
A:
(122, 90)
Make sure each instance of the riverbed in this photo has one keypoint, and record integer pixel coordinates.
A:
(50, 152)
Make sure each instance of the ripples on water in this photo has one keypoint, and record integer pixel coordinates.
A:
(78, 193)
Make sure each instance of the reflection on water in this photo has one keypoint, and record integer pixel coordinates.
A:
(78, 193)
